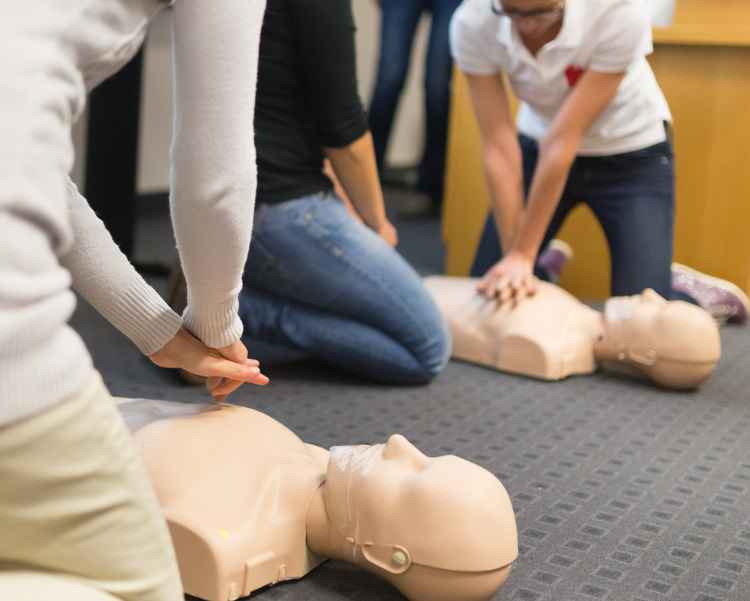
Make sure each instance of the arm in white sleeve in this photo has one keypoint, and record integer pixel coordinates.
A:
(213, 179)
(107, 280)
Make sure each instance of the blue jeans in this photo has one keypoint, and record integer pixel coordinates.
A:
(632, 197)
(398, 25)
(319, 284)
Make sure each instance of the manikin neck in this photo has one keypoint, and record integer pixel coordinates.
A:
(322, 537)
(616, 335)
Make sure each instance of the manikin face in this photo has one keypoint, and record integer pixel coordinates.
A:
(533, 18)
(643, 306)
(677, 344)
(398, 507)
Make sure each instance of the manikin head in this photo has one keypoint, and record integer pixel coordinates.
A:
(674, 343)
(439, 529)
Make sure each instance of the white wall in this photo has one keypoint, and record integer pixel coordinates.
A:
(156, 108)
(156, 121)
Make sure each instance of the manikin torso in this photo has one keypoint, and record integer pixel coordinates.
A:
(235, 499)
(552, 335)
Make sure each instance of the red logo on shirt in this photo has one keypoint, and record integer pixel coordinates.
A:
(573, 73)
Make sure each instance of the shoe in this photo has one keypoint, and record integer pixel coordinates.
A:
(177, 300)
(725, 301)
(403, 178)
(554, 259)
(414, 205)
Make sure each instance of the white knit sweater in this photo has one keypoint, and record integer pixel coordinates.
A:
(51, 52)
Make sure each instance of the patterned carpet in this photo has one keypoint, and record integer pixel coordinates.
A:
(623, 492)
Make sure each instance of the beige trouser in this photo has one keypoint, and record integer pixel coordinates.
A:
(75, 502)
(37, 586)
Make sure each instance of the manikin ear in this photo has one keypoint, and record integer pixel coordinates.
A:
(645, 357)
(394, 559)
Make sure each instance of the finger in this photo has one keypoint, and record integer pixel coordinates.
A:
(517, 286)
(503, 291)
(527, 289)
(226, 388)
(523, 288)
(488, 279)
(487, 292)
(223, 368)
(505, 295)
(213, 382)
(241, 350)
(235, 352)
(260, 380)
(532, 285)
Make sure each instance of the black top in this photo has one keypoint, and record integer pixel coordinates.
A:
(307, 95)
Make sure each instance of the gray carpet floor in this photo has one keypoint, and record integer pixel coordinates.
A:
(622, 492)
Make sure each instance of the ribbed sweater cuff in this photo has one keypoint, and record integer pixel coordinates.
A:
(216, 327)
(143, 316)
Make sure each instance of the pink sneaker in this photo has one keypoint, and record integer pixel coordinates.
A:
(554, 258)
(721, 298)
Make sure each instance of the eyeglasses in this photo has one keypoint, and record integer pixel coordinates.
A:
(539, 13)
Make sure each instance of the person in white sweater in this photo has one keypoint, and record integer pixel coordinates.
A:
(74, 499)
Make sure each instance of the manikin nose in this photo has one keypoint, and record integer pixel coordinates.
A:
(398, 447)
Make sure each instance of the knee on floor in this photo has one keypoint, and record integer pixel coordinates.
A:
(434, 354)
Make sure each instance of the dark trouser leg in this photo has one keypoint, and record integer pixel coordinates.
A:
(632, 196)
(438, 72)
(398, 25)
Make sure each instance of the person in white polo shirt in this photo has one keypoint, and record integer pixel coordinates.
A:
(593, 127)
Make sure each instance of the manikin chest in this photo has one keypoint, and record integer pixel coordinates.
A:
(235, 487)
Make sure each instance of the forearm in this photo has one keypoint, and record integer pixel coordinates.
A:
(504, 177)
(339, 191)
(591, 95)
(356, 170)
(213, 157)
(107, 280)
(555, 160)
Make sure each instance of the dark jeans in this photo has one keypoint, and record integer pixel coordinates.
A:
(398, 26)
(632, 197)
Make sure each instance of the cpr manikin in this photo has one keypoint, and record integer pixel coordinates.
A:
(249, 504)
(551, 335)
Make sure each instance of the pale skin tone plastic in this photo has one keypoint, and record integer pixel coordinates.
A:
(249, 504)
(552, 335)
